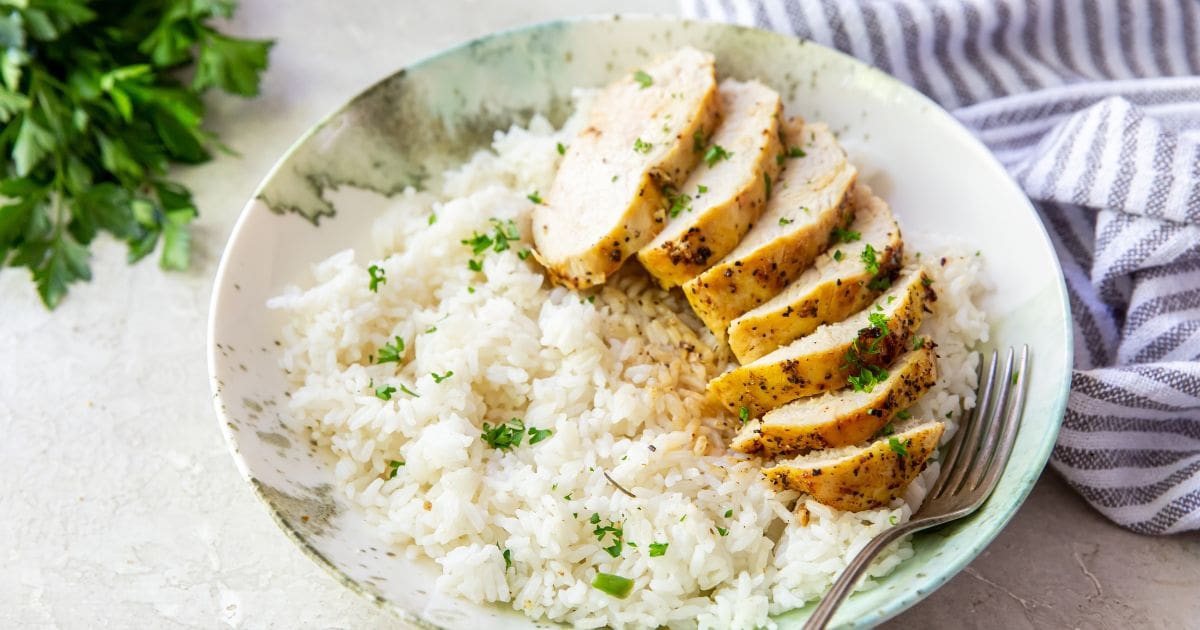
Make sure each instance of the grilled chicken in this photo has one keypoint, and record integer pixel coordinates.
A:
(841, 418)
(859, 478)
(606, 202)
(858, 348)
(721, 199)
(837, 285)
(810, 199)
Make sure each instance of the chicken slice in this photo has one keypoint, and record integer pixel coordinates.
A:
(854, 351)
(837, 285)
(722, 198)
(841, 418)
(810, 199)
(606, 202)
(857, 478)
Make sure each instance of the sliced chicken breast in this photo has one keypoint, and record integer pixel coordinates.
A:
(606, 202)
(854, 351)
(810, 199)
(844, 417)
(837, 285)
(724, 196)
(857, 478)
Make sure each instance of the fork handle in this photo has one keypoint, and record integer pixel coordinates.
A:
(845, 583)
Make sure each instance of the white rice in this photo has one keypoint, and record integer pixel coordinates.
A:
(621, 383)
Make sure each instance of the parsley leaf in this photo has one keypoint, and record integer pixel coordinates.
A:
(897, 446)
(537, 435)
(870, 259)
(679, 203)
(384, 392)
(658, 549)
(534, 197)
(438, 378)
(378, 277)
(562, 149)
(838, 255)
(715, 154)
(510, 435)
(93, 113)
(643, 79)
(743, 414)
(785, 221)
(642, 146)
(796, 152)
(392, 352)
(394, 467)
(841, 235)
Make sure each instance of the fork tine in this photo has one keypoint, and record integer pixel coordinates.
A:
(955, 445)
(1012, 425)
(995, 424)
(955, 466)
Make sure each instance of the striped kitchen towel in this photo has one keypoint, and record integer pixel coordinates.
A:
(1094, 108)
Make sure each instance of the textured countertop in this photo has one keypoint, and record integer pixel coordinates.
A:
(122, 508)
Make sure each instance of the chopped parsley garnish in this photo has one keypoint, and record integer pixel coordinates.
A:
(510, 435)
(537, 435)
(845, 236)
(867, 378)
(1014, 377)
(431, 329)
(503, 232)
(507, 554)
(475, 265)
(701, 189)
(926, 282)
(722, 531)
(917, 343)
(897, 446)
(641, 146)
(470, 289)
(767, 184)
(643, 79)
(870, 259)
(409, 391)
(657, 549)
(780, 159)
(880, 283)
(394, 467)
(392, 352)
(698, 141)
(785, 221)
(384, 392)
(534, 197)
(617, 535)
(438, 378)
(838, 255)
(893, 520)
(728, 513)
(715, 154)
(432, 218)
(903, 414)
(524, 254)
(743, 414)
(887, 429)
(378, 277)
(679, 202)
(591, 299)
(614, 178)
(891, 298)
(879, 321)
(562, 149)
(796, 152)
(615, 585)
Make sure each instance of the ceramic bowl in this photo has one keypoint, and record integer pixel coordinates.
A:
(322, 196)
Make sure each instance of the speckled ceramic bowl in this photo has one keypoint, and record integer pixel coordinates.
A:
(435, 113)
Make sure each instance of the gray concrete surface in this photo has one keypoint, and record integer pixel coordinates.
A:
(121, 507)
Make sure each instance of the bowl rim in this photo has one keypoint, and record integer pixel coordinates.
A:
(897, 605)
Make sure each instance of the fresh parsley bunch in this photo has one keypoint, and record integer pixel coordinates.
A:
(97, 99)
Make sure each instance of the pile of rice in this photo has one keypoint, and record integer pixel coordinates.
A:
(618, 374)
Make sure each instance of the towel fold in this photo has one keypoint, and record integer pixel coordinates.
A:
(1094, 108)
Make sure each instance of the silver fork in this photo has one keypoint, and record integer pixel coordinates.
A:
(970, 470)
